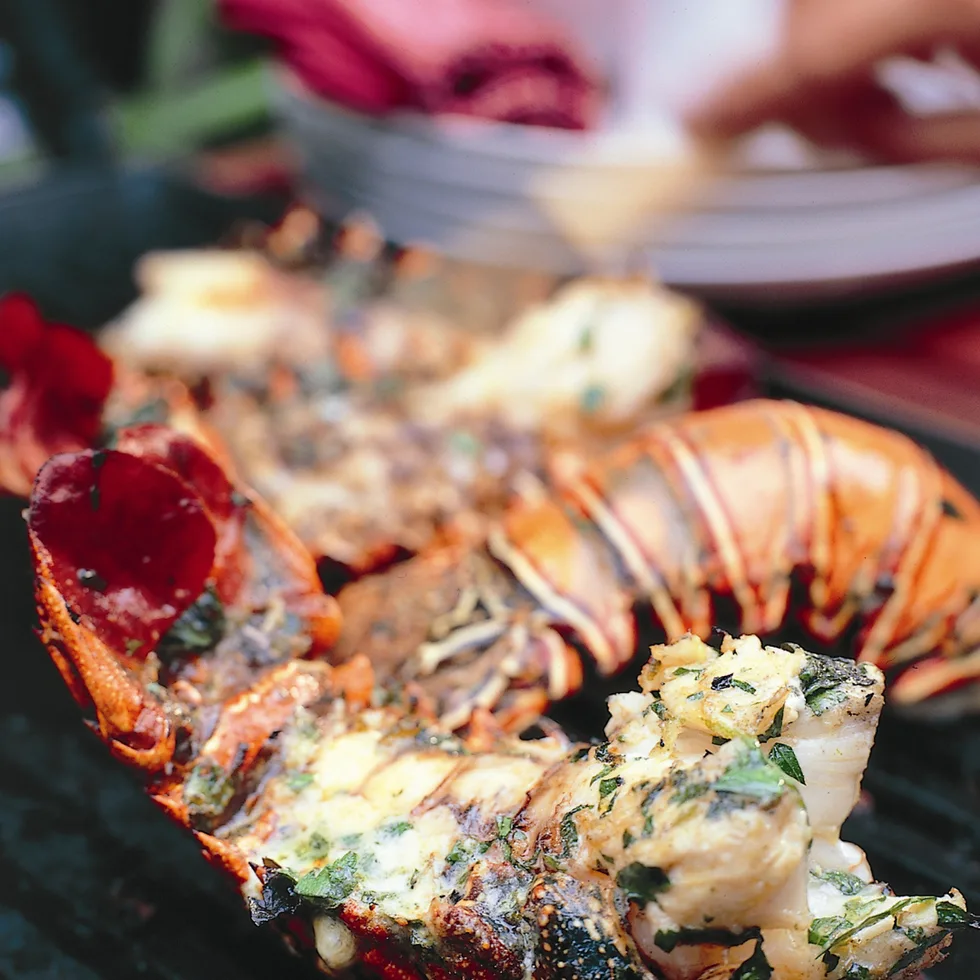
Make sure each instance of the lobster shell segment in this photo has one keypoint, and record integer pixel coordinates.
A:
(58, 382)
(147, 555)
(128, 543)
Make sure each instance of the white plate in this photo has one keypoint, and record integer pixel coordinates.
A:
(474, 189)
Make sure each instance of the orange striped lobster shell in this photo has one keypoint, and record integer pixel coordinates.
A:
(752, 505)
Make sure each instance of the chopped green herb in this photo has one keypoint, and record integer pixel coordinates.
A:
(696, 696)
(198, 629)
(627, 838)
(841, 937)
(601, 774)
(751, 774)
(690, 791)
(916, 954)
(586, 340)
(457, 853)
(504, 825)
(659, 709)
(551, 862)
(743, 686)
(822, 930)
(132, 646)
(568, 831)
(681, 671)
(208, 790)
(775, 729)
(316, 847)
(397, 828)
(298, 780)
(843, 881)
(608, 786)
(592, 399)
(950, 916)
(822, 678)
(465, 442)
(756, 967)
(727, 710)
(642, 883)
(719, 740)
(333, 884)
(784, 757)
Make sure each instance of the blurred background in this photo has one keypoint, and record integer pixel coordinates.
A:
(129, 126)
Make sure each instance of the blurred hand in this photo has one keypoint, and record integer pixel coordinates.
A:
(821, 80)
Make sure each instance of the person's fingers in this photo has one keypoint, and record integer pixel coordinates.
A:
(840, 118)
(903, 138)
(825, 43)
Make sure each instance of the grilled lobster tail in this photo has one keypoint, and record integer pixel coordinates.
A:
(771, 507)
(692, 844)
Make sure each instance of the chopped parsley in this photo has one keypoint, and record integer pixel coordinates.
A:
(397, 828)
(752, 775)
(333, 884)
(822, 679)
(846, 883)
(208, 790)
(784, 757)
(592, 399)
(607, 786)
(568, 831)
(822, 930)
(951, 916)
(298, 780)
(198, 629)
(642, 883)
(689, 791)
(601, 774)
(775, 729)
(743, 686)
(756, 967)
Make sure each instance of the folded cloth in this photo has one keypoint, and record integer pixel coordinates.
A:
(496, 59)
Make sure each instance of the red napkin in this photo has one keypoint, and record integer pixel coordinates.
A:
(496, 59)
(927, 374)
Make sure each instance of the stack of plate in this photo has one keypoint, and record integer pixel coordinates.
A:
(489, 193)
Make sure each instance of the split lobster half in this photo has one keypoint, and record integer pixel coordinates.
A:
(699, 841)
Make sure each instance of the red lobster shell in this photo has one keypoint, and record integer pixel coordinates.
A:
(753, 506)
